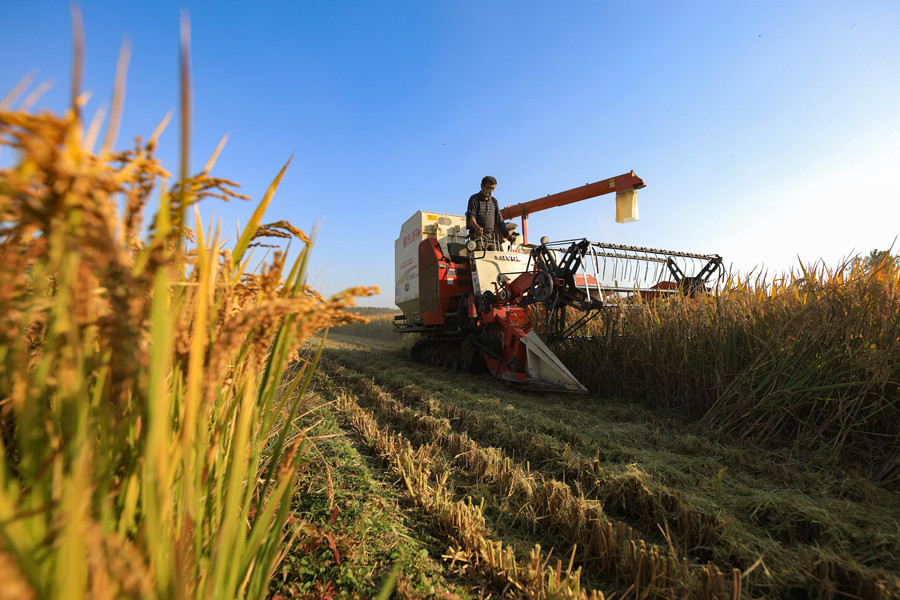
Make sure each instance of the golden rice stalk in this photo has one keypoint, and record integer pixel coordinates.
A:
(147, 438)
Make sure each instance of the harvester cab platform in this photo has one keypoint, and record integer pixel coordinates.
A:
(483, 304)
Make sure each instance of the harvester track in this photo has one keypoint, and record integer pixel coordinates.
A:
(451, 351)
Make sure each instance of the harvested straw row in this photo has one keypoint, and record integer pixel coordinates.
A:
(551, 506)
(698, 525)
(627, 494)
(799, 564)
(463, 522)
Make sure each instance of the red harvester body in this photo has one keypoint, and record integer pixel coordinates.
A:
(479, 303)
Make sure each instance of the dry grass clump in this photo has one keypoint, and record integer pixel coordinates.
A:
(813, 359)
(145, 449)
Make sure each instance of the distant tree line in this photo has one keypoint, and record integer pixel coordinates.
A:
(876, 257)
(372, 311)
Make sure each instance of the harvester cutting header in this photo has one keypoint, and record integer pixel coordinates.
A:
(479, 302)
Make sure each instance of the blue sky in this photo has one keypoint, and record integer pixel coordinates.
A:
(766, 130)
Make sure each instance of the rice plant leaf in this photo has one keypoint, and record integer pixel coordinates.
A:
(154, 137)
(118, 100)
(256, 218)
(35, 95)
(215, 155)
(71, 569)
(77, 56)
(156, 465)
(7, 102)
(306, 377)
(390, 583)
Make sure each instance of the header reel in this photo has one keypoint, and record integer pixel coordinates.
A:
(588, 276)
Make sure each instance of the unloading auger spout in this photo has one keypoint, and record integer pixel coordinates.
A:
(479, 305)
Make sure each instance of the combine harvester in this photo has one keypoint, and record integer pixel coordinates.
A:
(475, 307)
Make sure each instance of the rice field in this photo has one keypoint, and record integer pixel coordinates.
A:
(173, 424)
(149, 381)
(811, 360)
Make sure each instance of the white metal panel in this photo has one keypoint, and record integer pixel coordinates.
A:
(423, 224)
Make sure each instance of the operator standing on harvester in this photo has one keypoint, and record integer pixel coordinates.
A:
(483, 216)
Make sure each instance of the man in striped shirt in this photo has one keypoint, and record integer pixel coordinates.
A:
(483, 214)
